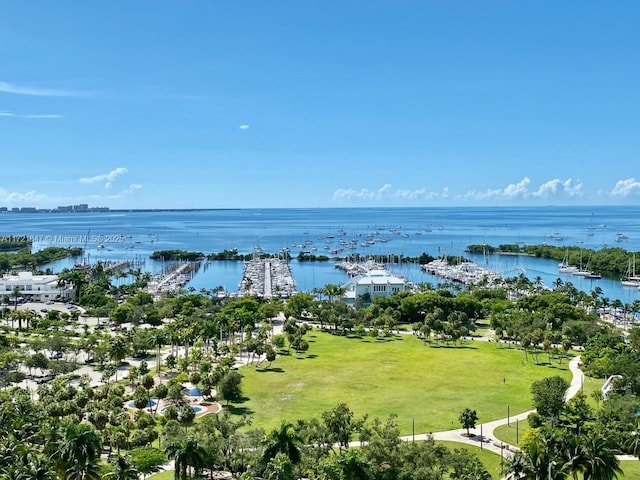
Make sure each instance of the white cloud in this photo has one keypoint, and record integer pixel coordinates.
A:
(20, 198)
(557, 186)
(127, 191)
(511, 191)
(15, 115)
(107, 177)
(624, 188)
(572, 190)
(46, 115)
(362, 194)
(244, 127)
(38, 92)
(386, 192)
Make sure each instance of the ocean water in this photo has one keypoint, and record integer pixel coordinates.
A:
(401, 231)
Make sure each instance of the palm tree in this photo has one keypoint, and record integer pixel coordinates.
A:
(600, 461)
(123, 469)
(78, 453)
(16, 294)
(282, 439)
(333, 291)
(186, 455)
(38, 468)
(118, 349)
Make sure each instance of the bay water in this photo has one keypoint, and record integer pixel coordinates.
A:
(406, 232)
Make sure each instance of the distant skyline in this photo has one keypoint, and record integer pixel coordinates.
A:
(248, 104)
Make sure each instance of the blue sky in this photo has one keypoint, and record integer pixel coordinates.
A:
(225, 104)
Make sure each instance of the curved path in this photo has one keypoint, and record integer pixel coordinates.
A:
(488, 428)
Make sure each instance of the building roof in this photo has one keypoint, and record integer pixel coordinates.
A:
(377, 277)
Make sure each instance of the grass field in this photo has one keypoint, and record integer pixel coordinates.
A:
(399, 375)
(166, 475)
(490, 460)
(631, 469)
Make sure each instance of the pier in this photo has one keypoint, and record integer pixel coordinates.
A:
(113, 265)
(267, 277)
(173, 279)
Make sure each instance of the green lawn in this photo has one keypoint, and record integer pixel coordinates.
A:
(400, 375)
(631, 469)
(490, 460)
(165, 475)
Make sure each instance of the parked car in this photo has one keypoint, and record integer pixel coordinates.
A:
(56, 356)
(45, 379)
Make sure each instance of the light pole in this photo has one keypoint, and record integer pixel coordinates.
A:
(508, 414)
(413, 429)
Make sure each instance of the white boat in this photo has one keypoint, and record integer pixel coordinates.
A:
(631, 279)
(564, 267)
(579, 272)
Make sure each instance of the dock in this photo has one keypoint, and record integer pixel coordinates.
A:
(354, 269)
(173, 278)
(464, 272)
(267, 278)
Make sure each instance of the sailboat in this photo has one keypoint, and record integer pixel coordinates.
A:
(583, 273)
(564, 267)
(631, 279)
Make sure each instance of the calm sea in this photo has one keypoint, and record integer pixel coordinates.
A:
(373, 231)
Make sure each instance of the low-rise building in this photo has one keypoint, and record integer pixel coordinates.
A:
(34, 287)
(375, 283)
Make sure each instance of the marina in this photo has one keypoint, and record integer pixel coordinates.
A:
(267, 277)
(463, 272)
(173, 278)
(440, 230)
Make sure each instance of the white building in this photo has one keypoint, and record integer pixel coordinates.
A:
(34, 287)
(376, 283)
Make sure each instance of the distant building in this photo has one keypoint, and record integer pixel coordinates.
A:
(82, 207)
(34, 287)
(375, 283)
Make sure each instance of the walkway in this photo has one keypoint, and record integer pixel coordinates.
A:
(488, 428)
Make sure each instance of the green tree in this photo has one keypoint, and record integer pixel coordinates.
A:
(187, 455)
(468, 419)
(147, 460)
(282, 439)
(122, 469)
(279, 468)
(229, 387)
(549, 396)
(77, 453)
(600, 461)
(339, 425)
